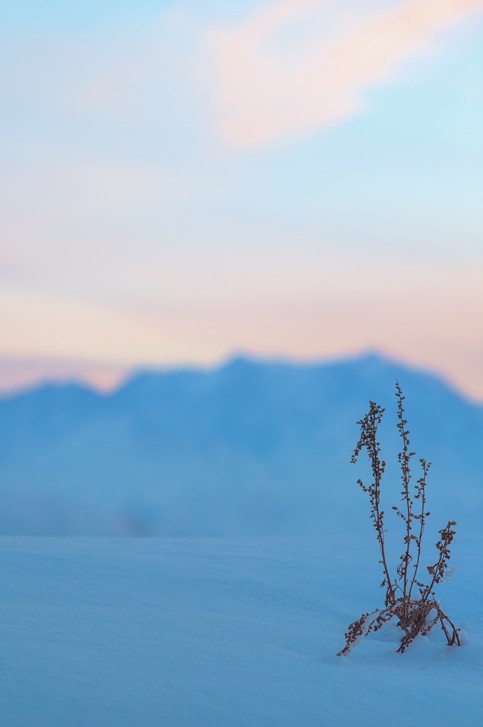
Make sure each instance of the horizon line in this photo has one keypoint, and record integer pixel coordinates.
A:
(106, 378)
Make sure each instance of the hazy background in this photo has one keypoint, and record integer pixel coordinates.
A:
(184, 182)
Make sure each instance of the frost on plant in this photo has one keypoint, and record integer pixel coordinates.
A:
(407, 598)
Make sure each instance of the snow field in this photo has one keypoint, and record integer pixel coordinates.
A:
(150, 632)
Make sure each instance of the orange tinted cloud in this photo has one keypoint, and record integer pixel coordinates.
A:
(416, 313)
(269, 90)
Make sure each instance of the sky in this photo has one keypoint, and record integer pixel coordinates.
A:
(182, 181)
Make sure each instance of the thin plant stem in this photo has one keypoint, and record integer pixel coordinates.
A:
(404, 458)
(421, 494)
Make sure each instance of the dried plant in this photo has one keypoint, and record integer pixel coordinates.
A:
(414, 614)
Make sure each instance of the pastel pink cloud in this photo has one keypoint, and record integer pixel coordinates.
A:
(267, 92)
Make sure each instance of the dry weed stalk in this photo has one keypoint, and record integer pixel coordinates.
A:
(415, 615)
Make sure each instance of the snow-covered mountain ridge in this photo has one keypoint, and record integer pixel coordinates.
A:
(257, 448)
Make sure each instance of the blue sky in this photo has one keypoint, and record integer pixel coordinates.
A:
(185, 180)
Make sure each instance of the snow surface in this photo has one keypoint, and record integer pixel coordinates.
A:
(172, 632)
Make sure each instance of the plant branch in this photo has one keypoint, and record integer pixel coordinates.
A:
(414, 616)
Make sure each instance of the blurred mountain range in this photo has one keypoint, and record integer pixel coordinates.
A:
(250, 448)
